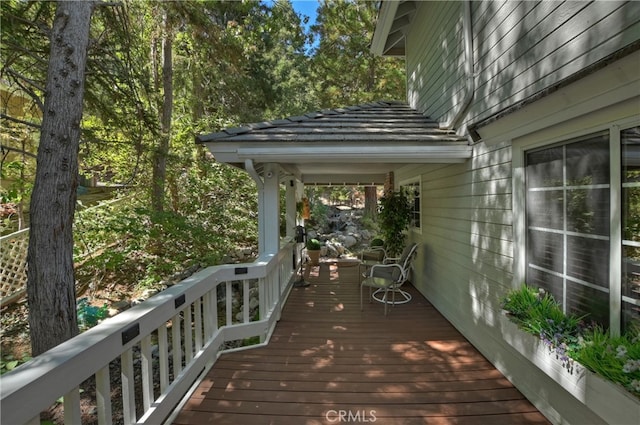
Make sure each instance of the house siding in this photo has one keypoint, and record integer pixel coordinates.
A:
(520, 49)
(470, 255)
(466, 231)
(465, 264)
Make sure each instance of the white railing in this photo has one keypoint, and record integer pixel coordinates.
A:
(163, 345)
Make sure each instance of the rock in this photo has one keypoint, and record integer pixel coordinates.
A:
(120, 306)
(349, 241)
(254, 303)
(148, 293)
(332, 251)
(351, 229)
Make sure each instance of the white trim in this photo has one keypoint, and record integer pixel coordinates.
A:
(615, 229)
(386, 16)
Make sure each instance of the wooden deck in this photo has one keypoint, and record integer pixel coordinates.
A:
(330, 363)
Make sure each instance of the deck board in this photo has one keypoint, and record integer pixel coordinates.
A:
(327, 358)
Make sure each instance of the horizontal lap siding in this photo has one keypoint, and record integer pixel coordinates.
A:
(435, 71)
(542, 44)
(520, 49)
(466, 232)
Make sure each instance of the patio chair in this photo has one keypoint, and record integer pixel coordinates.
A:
(387, 278)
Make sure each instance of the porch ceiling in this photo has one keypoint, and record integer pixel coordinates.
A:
(353, 145)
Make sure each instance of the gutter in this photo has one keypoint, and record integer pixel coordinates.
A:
(469, 69)
(248, 166)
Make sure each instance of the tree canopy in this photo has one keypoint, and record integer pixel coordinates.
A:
(157, 74)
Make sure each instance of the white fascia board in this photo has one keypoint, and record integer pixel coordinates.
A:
(372, 154)
(226, 153)
(383, 26)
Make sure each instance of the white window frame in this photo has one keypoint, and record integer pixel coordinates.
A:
(413, 182)
(548, 139)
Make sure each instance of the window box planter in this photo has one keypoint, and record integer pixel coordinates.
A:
(612, 403)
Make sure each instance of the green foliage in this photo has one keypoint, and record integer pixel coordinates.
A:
(9, 362)
(394, 219)
(90, 315)
(377, 242)
(313, 245)
(345, 70)
(616, 358)
(214, 211)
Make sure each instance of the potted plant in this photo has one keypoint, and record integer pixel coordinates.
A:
(394, 218)
(375, 251)
(313, 250)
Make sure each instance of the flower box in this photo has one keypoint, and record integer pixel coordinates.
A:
(612, 403)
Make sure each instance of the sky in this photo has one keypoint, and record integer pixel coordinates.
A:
(306, 7)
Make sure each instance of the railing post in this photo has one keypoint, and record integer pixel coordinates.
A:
(72, 407)
(176, 344)
(147, 372)
(103, 396)
(128, 388)
(163, 357)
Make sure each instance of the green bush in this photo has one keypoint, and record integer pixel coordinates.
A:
(377, 242)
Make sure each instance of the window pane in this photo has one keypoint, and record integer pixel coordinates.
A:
(412, 191)
(588, 260)
(630, 315)
(545, 209)
(546, 250)
(544, 168)
(631, 273)
(588, 211)
(631, 214)
(583, 300)
(588, 161)
(550, 283)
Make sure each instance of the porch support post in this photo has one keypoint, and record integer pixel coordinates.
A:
(270, 210)
(290, 215)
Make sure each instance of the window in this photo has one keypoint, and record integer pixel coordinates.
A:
(412, 190)
(630, 140)
(569, 220)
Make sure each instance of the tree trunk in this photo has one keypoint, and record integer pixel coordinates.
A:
(370, 202)
(162, 151)
(51, 283)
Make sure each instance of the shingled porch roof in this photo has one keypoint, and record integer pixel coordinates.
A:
(352, 145)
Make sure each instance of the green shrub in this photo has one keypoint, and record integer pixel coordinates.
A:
(377, 242)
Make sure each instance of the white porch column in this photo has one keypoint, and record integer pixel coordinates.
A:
(291, 212)
(270, 210)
